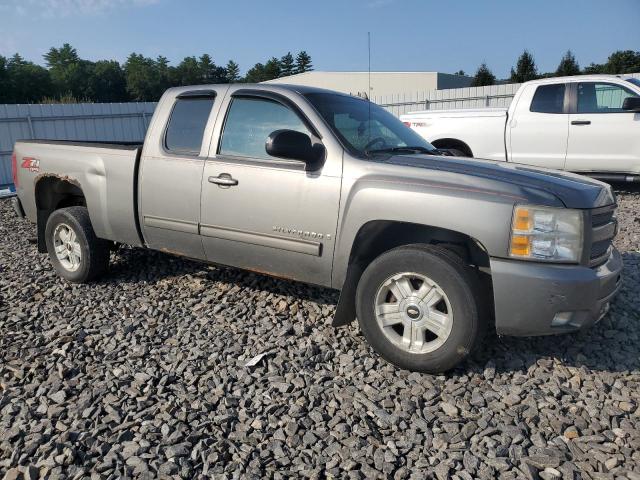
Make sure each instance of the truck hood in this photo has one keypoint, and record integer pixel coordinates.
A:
(574, 191)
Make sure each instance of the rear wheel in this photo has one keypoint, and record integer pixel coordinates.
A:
(419, 308)
(75, 252)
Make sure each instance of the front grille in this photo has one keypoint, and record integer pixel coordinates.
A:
(604, 227)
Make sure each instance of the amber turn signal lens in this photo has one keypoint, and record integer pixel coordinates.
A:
(520, 245)
(523, 220)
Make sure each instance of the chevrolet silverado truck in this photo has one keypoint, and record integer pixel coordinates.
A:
(588, 124)
(429, 252)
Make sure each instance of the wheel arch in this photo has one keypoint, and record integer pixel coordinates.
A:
(444, 143)
(53, 192)
(379, 236)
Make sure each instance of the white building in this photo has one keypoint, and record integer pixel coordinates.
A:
(382, 83)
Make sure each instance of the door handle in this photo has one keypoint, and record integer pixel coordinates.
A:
(224, 180)
(581, 122)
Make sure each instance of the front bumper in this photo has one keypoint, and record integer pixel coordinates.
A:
(545, 299)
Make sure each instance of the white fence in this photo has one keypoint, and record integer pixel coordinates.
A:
(83, 121)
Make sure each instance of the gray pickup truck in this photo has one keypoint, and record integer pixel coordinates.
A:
(429, 251)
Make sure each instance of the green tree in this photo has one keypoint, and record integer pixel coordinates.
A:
(568, 65)
(256, 74)
(164, 73)
(525, 69)
(272, 68)
(28, 83)
(232, 72)
(187, 72)
(623, 61)
(460, 72)
(303, 62)
(594, 68)
(287, 65)
(144, 83)
(5, 92)
(210, 72)
(107, 82)
(483, 77)
(69, 73)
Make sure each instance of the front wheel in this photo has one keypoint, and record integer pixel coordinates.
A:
(75, 252)
(419, 308)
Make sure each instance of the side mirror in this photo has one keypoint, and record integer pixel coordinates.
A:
(631, 104)
(295, 146)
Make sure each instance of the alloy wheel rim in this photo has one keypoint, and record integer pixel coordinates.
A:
(413, 312)
(67, 247)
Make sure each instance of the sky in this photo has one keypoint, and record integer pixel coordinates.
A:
(406, 35)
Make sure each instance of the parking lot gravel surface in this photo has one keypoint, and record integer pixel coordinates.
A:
(144, 374)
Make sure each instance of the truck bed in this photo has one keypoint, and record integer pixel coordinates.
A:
(105, 172)
(481, 129)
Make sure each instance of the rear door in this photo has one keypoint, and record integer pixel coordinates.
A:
(539, 127)
(264, 213)
(171, 173)
(602, 136)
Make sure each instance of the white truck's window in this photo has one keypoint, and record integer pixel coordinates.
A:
(548, 99)
(186, 125)
(601, 97)
(250, 121)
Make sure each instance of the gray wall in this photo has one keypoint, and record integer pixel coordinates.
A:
(84, 121)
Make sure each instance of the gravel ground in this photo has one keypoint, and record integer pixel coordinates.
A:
(143, 375)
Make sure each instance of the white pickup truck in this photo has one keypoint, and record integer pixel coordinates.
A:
(586, 124)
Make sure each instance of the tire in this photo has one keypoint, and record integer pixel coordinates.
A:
(432, 272)
(82, 256)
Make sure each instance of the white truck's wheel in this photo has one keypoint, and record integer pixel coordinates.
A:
(75, 252)
(420, 308)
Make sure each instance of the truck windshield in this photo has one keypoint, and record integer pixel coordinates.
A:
(365, 128)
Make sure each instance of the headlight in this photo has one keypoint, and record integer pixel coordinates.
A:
(546, 234)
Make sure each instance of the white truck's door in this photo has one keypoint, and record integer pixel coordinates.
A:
(602, 136)
(264, 213)
(538, 127)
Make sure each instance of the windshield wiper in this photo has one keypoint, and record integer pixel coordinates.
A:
(407, 149)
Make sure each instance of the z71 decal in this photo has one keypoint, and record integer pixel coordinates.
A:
(31, 164)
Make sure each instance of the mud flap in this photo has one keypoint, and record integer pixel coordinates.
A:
(346, 309)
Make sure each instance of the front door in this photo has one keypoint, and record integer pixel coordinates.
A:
(539, 127)
(602, 136)
(264, 213)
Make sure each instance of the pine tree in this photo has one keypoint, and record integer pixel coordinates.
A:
(287, 65)
(303, 62)
(207, 69)
(483, 77)
(568, 65)
(232, 72)
(272, 69)
(525, 69)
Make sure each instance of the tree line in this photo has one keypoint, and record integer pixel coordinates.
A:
(621, 61)
(67, 78)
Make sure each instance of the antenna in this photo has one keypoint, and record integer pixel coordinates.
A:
(369, 48)
(369, 91)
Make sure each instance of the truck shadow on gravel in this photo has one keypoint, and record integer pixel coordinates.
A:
(612, 345)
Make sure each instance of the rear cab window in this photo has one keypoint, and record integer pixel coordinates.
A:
(187, 123)
(548, 99)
